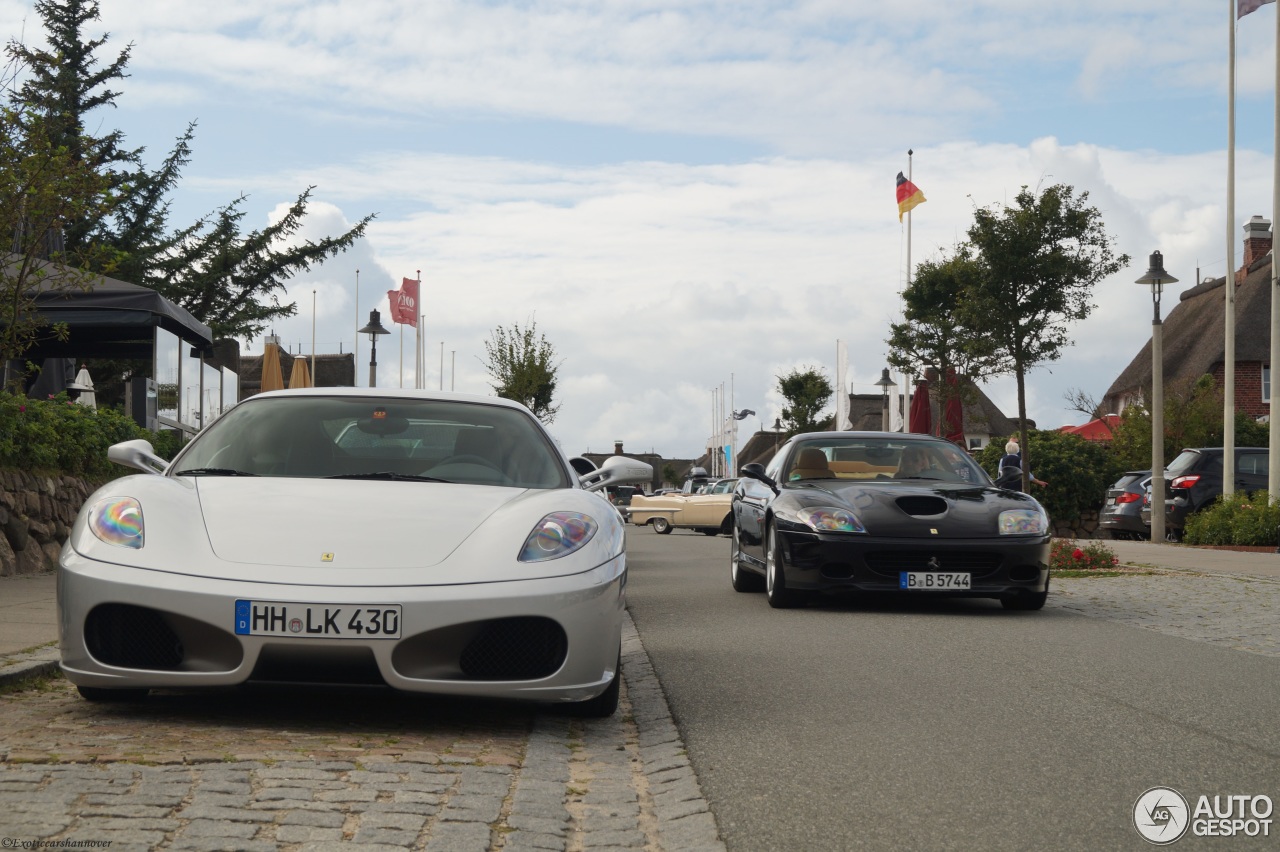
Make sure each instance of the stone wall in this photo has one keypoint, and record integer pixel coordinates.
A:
(1085, 526)
(36, 514)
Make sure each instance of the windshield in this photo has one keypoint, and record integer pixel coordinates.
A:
(355, 437)
(900, 459)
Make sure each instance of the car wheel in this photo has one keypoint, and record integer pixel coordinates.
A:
(726, 526)
(606, 703)
(775, 581)
(1027, 601)
(709, 531)
(742, 579)
(103, 695)
(661, 526)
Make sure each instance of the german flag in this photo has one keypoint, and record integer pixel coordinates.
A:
(909, 195)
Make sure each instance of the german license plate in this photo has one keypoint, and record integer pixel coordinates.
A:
(934, 580)
(317, 621)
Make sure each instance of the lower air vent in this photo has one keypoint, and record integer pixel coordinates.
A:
(888, 563)
(522, 648)
(132, 637)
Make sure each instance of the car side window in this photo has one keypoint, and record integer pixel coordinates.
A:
(1252, 463)
(774, 470)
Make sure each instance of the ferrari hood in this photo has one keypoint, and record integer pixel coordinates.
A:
(909, 510)
(343, 523)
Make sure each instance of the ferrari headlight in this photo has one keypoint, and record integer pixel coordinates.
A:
(118, 521)
(830, 519)
(1023, 522)
(556, 535)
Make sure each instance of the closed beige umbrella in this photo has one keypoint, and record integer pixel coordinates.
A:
(272, 376)
(301, 375)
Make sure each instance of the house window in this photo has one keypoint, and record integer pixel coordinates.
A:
(1266, 383)
(976, 443)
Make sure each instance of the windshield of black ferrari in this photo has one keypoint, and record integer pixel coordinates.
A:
(376, 438)
(902, 459)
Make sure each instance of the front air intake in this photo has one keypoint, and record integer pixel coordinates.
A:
(521, 648)
(132, 637)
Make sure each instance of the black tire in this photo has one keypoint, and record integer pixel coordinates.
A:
(726, 526)
(111, 696)
(709, 531)
(741, 579)
(775, 580)
(1027, 601)
(661, 526)
(605, 704)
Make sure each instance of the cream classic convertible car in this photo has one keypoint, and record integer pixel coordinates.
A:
(708, 513)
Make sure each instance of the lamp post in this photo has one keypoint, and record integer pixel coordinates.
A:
(373, 329)
(884, 384)
(1156, 278)
(777, 431)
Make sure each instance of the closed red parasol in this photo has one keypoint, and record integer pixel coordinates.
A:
(921, 413)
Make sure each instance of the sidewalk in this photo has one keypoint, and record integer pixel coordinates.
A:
(28, 626)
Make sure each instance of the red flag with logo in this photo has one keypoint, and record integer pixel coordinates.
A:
(404, 303)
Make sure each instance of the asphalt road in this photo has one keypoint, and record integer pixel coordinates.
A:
(926, 724)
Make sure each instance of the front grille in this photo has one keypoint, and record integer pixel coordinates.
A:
(888, 563)
(132, 637)
(520, 648)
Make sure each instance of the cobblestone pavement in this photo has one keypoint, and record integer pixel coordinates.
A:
(316, 770)
(1240, 612)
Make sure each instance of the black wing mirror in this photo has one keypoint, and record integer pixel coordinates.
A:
(756, 471)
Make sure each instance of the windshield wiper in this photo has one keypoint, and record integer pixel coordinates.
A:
(389, 476)
(213, 471)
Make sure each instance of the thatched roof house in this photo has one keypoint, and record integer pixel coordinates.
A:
(1195, 333)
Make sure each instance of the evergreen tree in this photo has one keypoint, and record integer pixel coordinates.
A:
(228, 280)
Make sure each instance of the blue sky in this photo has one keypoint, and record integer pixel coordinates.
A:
(691, 193)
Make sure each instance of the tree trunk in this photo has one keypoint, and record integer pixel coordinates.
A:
(1021, 373)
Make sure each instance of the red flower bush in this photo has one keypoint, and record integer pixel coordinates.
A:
(1064, 555)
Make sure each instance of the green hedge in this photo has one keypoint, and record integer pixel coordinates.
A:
(56, 435)
(1078, 471)
(1241, 519)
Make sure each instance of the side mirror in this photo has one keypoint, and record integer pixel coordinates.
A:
(756, 471)
(138, 454)
(617, 470)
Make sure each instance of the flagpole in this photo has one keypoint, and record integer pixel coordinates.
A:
(313, 338)
(1273, 424)
(1229, 281)
(355, 373)
(417, 341)
(912, 180)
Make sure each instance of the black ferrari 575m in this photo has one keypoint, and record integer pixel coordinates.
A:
(885, 512)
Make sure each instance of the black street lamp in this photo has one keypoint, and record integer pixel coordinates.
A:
(884, 384)
(373, 329)
(1156, 278)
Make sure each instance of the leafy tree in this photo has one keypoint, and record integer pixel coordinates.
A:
(1040, 260)
(228, 280)
(523, 366)
(1078, 472)
(42, 186)
(934, 332)
(806, 392)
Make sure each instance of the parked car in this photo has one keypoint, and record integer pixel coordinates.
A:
(885, 512)
(269, 549)
(706, 513)
(1193, 481)
(1121, 515)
